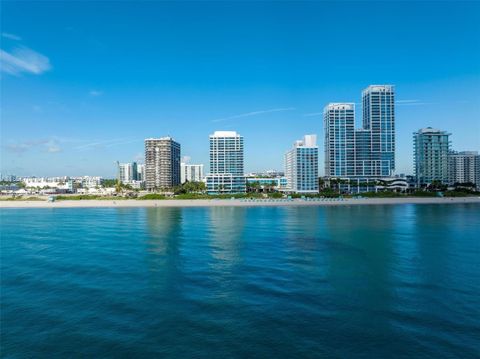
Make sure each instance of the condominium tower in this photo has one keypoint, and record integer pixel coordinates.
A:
(431, 153)
(301, 166)
(127, 172)
(162, 163)
(339, 124)
(191, 173)
(226, 163)
(379, 118)
(368, 152)
(464, 167)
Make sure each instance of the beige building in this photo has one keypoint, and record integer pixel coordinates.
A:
(162, 163)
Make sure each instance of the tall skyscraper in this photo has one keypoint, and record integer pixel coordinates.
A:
(339, 124)
(301, 166)
(191, 173)
(431, 153)
(162, 163)
(464, 167)
(368, 152)
(379, 118)
(226, 163)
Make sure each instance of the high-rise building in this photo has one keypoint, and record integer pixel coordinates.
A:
(162, 163)
(464, 167)
(301, 166)
(191, 173)
(339, 124)
(368, 152)
(431, 153)
(226, 163)
(379, 118)
(127, 172)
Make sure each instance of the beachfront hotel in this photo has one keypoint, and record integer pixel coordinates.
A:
(301, 166)
(431, 156)
(162, 163)
(368, 152)
(191, 173)
(226, 163)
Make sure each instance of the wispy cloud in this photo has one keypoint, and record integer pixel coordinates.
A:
(23, 59)
(139, 157)
(11, 36)
(413, 103)
(53, 146)
(95, 93)
(50, 145)
(105, 143)
(254, 113)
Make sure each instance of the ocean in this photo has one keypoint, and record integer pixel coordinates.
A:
(393, 281)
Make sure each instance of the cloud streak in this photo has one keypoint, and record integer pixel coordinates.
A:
(11, 36)
(254, 113)
(51, 145)
(22, 59)
(95, 93)
(412, 103)
(105, 143)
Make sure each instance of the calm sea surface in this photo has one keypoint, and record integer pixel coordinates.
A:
(268, 282)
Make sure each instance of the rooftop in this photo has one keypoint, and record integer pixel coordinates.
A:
(225, 134)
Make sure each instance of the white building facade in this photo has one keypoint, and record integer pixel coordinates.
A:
(191, 173)
(464, 167)
(127, 172)
(301, 166)
(226, 163)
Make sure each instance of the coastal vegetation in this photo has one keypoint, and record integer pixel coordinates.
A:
(82, 197)
(20, 198)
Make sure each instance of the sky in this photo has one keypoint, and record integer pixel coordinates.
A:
(84, 83)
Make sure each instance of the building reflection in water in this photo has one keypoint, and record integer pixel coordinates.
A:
(360, 254)
(226, 229)
(164, 242)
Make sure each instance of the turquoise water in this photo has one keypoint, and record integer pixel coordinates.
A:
(345, 282)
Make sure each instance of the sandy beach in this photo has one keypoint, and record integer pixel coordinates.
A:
(233, 203)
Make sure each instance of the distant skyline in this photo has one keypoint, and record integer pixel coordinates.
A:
(84, 83)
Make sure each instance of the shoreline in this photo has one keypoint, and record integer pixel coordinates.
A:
(132, 203)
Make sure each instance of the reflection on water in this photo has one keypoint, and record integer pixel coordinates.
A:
(226, 231)
(164, 241)
(346, 281)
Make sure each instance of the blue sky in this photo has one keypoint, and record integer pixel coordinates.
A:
(83, 83)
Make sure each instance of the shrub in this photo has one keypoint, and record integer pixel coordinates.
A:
(152, 196)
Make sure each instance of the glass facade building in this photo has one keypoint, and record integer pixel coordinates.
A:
(127, 172)
(339, 124)
(226, 163)
(368, 152)
(431, 154)
(379, 118)
(301, 166)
